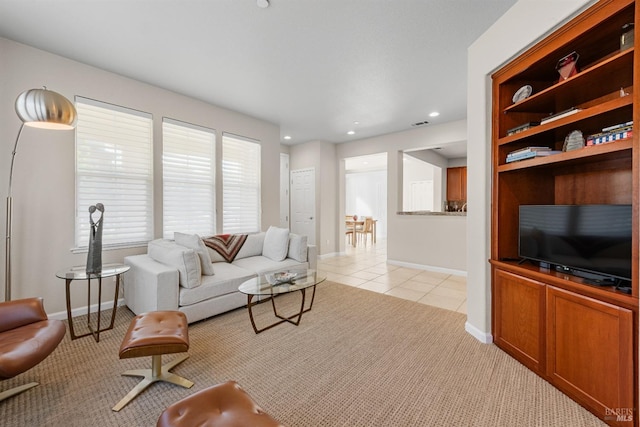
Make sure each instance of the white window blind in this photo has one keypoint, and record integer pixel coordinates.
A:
(240, 184)
(188, 176)
(114, 167)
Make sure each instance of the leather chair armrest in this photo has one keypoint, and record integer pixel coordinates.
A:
(14, 314)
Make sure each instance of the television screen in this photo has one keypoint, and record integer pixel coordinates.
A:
(590, 238)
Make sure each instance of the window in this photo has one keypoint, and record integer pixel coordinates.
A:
(188, 176)
(240, 184)
(114, 167)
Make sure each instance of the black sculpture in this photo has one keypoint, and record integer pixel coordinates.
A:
(94, 256)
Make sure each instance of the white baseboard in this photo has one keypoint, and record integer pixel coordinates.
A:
(428, 267)
(82, 311)
(483, 337)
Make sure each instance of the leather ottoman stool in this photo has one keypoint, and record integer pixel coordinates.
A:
(154, 334)
(222, 405)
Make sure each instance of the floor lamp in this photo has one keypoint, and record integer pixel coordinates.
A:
(40, 108)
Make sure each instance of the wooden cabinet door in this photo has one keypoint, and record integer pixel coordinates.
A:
(457, 183)
(518, 318)
(590, 353)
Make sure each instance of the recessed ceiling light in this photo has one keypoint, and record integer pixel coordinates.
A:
(287, 137)
(356, 123)
(434, 114)
(263, 4)
(351, 132)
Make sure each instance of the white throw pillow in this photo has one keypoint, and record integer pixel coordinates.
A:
(193, 241)
(185, 260)
(276, 243)
(252, 246)
(298, 247)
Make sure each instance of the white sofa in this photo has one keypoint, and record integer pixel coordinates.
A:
(170, 276)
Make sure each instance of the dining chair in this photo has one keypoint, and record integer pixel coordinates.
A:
(367, 228)
(350, 234)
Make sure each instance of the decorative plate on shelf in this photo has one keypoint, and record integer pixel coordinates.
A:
(523, 93)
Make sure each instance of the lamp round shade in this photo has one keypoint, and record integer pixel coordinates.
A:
(46, 109)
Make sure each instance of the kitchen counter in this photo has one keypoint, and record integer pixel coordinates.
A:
(430, 213)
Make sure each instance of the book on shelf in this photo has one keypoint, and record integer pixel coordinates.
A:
(560, 115)
(521, 128)
(628, 124)
(616, 135)
(529, 149)
(530, 155)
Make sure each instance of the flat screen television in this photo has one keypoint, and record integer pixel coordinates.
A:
(595, 239)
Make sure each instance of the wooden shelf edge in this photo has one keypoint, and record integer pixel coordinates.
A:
(592, 151)
(522, 105)
(580, 115)
(570, 283)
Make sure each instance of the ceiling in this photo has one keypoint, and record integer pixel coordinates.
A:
(312, 67)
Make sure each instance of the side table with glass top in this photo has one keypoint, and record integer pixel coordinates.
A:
(79, 273)
(268, 285)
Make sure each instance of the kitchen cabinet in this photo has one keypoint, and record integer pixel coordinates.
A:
(457, 183)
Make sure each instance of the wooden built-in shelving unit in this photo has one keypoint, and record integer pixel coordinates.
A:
(581, 338)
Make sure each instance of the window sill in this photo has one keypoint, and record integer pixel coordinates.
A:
(113, 247)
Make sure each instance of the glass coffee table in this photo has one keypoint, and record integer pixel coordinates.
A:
(282, 282)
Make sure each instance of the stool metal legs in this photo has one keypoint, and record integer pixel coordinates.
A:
(16, 390)
(158, 372)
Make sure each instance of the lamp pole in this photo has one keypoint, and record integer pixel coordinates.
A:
(7, 272)
(44, 109)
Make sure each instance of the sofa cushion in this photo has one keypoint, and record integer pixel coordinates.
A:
(276, 243)
(262, 264)
(297, 247)
(193, 241)
(227, 279)
(252, 246)
(185, 260)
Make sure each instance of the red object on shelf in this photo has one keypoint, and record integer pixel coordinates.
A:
(568, 66)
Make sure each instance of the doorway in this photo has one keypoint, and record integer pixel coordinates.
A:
(366, 189)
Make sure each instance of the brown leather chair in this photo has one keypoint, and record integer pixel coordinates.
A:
(27, 337)
(222, 405)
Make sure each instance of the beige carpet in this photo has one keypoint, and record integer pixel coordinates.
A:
(357, 359)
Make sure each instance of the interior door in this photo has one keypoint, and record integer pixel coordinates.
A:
(284, 190)
(303, 203)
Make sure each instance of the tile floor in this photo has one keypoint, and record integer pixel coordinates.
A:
(366, 267)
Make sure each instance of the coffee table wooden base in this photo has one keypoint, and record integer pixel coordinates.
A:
(297, 316)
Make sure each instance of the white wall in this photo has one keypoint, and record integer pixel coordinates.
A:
(44, 183)
(435, 242)
(321, 156)
(416, 171)
(525, 23)
(439, 179)
(461, 161)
